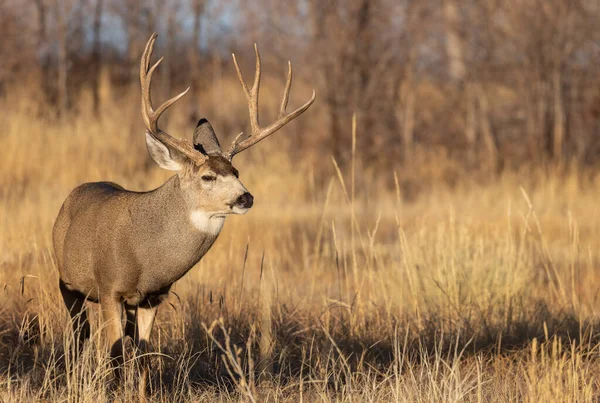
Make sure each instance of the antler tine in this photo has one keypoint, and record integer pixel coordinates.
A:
(259, 133)
(256, 85)
(149, 115)
(251, 94)
(165, 105)
(286, 91)
(144, 73)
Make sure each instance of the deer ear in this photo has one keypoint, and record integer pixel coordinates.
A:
(205, 139)
(166, 157)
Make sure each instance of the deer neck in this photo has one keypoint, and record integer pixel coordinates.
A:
(165, 236)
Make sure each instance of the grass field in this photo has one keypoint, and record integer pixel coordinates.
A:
(339, 285)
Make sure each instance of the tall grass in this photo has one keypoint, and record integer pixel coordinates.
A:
(340, 285)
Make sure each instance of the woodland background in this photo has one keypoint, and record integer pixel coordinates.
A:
(488, 85)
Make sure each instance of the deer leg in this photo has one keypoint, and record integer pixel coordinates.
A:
(75, 304)
(130, 324)
(112, 311)
(145, 319)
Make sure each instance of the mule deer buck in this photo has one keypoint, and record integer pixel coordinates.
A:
(125, 249)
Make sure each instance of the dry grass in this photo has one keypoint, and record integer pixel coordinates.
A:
(334, 287)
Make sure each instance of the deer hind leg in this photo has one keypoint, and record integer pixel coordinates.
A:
(75, 304)
(130, 324)
(145, 319)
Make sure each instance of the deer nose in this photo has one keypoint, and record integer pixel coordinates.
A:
(245, 201)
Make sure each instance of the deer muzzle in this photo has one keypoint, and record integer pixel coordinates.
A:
(245, 201)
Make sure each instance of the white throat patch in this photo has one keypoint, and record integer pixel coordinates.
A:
(203, 222)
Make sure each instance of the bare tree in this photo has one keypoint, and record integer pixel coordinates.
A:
(356, 50)
(198, 8)
(97, 54)
(62, 19)
(42, 45)
(493, 83)
(454, 42)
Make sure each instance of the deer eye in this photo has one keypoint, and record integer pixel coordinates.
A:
(209, 178)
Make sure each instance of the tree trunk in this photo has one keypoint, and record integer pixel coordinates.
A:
(407, 104)
(195, 56)
(63, 62)
(542, 126)
(559, 117)
(42, 38)
(489, 139)
(168, 66)
(97, 55)
(454, 45)
(471, 121)
(133, 48)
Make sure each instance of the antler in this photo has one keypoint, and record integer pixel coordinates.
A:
(151, 116)
(258, 132)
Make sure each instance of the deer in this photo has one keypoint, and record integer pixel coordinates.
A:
(125, 249)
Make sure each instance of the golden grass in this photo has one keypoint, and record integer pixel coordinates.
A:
(334, 287)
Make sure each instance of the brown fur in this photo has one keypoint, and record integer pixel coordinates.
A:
(220, 166)
(130, 245)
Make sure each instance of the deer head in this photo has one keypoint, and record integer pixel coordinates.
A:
(207, 177)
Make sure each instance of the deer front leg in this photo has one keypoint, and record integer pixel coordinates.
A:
(145, 319)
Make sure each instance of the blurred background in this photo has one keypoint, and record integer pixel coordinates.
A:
(479, 87)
